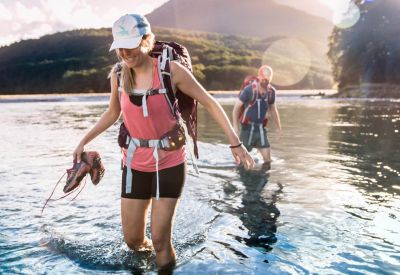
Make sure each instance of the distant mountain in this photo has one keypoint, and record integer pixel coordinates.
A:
(259, 18)
(319, 8)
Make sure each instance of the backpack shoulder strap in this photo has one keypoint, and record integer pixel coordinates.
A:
(254, 88)
(164, 73)
(117, 70)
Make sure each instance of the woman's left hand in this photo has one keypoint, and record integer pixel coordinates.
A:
(241, 155)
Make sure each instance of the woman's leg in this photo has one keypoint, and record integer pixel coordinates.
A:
(134, 205)
(162, 215)
(163, 211)
(133, 215)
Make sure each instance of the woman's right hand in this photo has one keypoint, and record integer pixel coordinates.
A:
(78, 152)
(241, 155)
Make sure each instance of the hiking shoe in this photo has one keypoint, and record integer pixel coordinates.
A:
(96, 166)
(90, 163)
(75, 175)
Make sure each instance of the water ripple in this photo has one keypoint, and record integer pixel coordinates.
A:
(329, 204)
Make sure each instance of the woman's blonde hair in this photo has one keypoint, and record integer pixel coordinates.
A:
(127, 80)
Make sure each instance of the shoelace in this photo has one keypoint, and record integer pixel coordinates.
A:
(66, 195)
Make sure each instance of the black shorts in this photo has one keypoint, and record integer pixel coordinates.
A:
(144, 184)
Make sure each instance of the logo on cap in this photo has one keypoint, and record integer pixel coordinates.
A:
(123, 32)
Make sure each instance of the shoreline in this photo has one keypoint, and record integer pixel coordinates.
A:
(44, 96)
(221, 96)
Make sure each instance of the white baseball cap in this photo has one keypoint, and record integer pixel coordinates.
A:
(128, 31)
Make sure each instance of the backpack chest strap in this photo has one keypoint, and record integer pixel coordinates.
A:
(150, 92)
(145, 93)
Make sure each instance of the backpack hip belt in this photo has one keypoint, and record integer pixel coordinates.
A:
(170, 141)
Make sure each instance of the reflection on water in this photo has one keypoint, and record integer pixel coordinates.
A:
(369, 135)
(330, 204)
(339, 187)
(258, 213)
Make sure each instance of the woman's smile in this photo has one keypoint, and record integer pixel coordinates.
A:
(130, 56)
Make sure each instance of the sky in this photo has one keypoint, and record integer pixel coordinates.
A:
(24, 19)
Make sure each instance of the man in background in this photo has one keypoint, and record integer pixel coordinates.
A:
(250, 114)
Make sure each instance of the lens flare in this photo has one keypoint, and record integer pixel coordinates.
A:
(346, 17)
(344, 12)
(290, 59)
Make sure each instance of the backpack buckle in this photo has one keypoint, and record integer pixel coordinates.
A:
(143, 143)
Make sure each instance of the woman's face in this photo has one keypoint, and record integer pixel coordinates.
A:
(131, 57)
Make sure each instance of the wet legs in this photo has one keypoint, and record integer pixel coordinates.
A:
(162, 215)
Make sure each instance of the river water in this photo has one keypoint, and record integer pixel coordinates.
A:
(329, 205)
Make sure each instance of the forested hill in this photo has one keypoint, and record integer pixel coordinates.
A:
(79, 61)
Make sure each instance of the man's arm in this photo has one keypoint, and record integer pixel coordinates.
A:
(244, 97)
(275, 117)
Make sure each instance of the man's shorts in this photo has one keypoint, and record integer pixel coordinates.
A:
(144, 184)
(257, 141)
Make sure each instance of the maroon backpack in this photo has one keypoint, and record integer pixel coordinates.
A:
(181, 105)
(247, 80)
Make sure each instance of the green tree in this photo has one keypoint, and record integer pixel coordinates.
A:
(369, 51)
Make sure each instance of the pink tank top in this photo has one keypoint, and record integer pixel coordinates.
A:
(159, 121)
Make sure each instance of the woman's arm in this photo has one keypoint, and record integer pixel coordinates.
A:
(236, 115)
(185, 81)
(109, 117)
